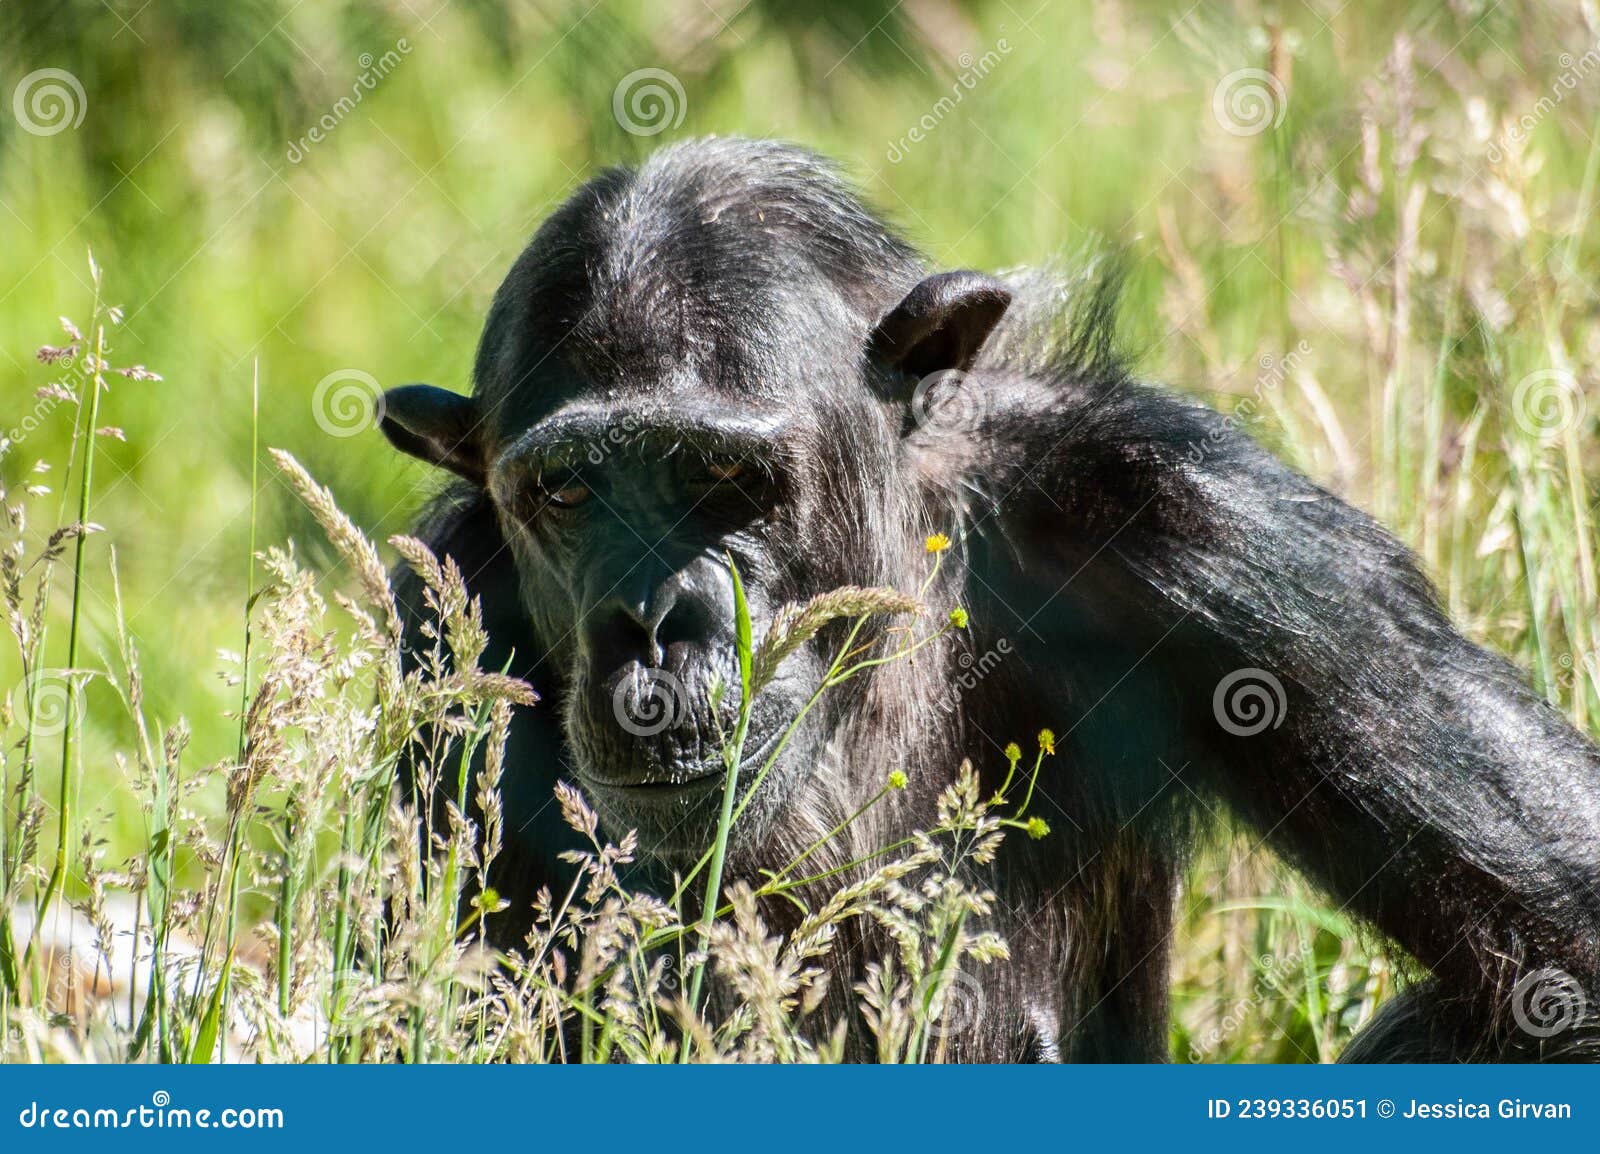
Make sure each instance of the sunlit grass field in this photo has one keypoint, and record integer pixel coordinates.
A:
(1366, 230)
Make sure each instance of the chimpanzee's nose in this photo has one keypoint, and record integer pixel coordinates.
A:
(689, 614)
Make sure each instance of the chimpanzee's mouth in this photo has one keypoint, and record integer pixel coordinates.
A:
(707, 777)
(704, 783)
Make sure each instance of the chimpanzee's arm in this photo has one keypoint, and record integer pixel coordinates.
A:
(1407, 770)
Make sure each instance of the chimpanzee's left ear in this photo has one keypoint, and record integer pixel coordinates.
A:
(941, 324)
(441, 427)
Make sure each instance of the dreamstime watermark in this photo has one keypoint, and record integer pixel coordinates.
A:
(1274, 371)
(48, 101)
(973, 670)
(347, 402)
(618, 435)
(1548, 403)
(1573, 71)
(945, 402)
(647, 704)
(373, 69)
(1249, 101)
(1249, 701)
(349, 991)
(51, 701)
(1272, 973)
(1547, 1002)
(973, 69)
(1566, 674)
(46, 401)
(158, 1114)
(65, 389)
(648, 101)
(954, 1000)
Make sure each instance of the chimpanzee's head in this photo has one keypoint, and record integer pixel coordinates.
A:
(710, 357)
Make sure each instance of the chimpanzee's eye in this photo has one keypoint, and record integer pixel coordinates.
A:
(564, 490)
(725, 470)
(570, 495)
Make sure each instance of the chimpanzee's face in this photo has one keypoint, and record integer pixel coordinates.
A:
(674, 377)
(624, 516)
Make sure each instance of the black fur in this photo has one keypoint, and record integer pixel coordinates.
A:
(1130, 548)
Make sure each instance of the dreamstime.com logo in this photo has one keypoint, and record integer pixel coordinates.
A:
(646, 705)
(1547, 1002)
(648, 101)
(946, 402)
(373, 70)
(49, 101)
(973, 670)
(1249, 701)
(1574, 71)
(1274, 972)
(159, 1114)
(347, 402)
(1274, 371)
(954, 1003)
(52, 699)
(1548, 403)
(973, 70)
(1249, 101)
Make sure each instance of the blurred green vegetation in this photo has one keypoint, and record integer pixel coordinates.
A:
(235, 246)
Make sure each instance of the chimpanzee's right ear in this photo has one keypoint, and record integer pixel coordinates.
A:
(441, 427)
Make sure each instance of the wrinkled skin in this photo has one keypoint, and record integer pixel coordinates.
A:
(723, 355)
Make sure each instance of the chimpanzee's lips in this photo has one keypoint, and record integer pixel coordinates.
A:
(659, 782)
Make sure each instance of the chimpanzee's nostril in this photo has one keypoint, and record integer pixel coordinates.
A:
(682, 619)
(678, 615)
(685, 620)
(615, 635)
(634, 630)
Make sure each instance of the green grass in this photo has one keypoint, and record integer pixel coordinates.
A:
(1429, 292)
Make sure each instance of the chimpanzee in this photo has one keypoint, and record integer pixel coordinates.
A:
(722, 353)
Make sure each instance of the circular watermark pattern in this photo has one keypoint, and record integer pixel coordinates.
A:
(59, 700)
(957, 1004)
(667, 974)
(347, 402)
(1249, 701)
(1249, 101)
(161, 1098)
(1547, 1002)
(648, 101)
(351, 993)
(650, 703)
(945, 403)
(49, 101)
(1547, 403)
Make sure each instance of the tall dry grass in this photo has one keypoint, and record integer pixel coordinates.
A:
(318, 913)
